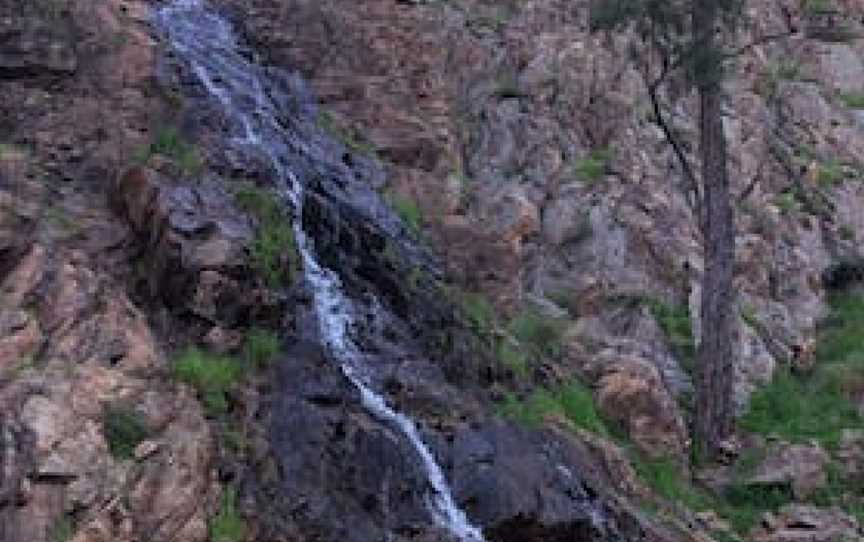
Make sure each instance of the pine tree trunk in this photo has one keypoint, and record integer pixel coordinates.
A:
(714, 401)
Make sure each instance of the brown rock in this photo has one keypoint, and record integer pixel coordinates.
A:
(801, 466)
(804, 523)
(631, 392)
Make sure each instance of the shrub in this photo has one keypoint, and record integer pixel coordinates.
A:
(227, 525)
(261, 347)
(571, 402)
(211, 376)
(124, 430)
(539, 333)
(274, 249)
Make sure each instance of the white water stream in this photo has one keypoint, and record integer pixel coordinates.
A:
(207, 43)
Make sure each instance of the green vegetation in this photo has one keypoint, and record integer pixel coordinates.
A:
(350, 138)
(407, 209)
(789, 70)
(675, 322)
(571, 402)
(664, 477)
(274, 249)
(540, 334)
(594, 166)
(169, 143)
(227, 525)
(512, 356)
(829, 173)
(786, 202)
(853, 100)
(212, 377)
(124, 430)
(479, 311)
(818, 406)
(261, 347)
(741, 505)
(819, 6)
(62, 530)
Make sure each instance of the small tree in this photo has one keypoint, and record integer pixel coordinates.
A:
(692, 40)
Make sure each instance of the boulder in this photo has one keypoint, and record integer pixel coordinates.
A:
(631, 392)
(196, 244)
(801, 467)
(804, 523)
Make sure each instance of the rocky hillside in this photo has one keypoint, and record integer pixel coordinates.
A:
(486, 184)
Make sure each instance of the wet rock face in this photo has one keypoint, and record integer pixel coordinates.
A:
(37, 39)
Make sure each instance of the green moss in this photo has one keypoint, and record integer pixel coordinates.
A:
(228, 525)
(675, 322)
(261, 347)
(853, 100)
(571, 402)
(124, 430)
(407, 209)
(829, 173)
(61, 531)
(212, 377)
(594, 166)
(348, 137)
(169, 143)
(274, 249)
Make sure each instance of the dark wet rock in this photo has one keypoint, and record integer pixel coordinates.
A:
(525, 485)
(36, 40)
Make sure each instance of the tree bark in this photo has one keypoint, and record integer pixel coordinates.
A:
(714, 385)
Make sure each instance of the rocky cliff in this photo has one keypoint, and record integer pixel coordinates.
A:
(486, 183)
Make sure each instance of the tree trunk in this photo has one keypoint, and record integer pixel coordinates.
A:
(714, 401)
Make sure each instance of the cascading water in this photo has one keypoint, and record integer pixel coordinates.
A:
(207, 43)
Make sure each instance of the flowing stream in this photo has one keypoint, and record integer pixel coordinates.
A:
(205, 41)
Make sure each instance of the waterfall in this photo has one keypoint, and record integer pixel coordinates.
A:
(207, 43)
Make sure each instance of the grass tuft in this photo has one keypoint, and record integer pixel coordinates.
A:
(538, 333)
(571, 402)
(211, 376)
(261, 347)
(124, 430)
(407, 209)
(594, 166)
(274, 249)
(169, 143)
(228, 525)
